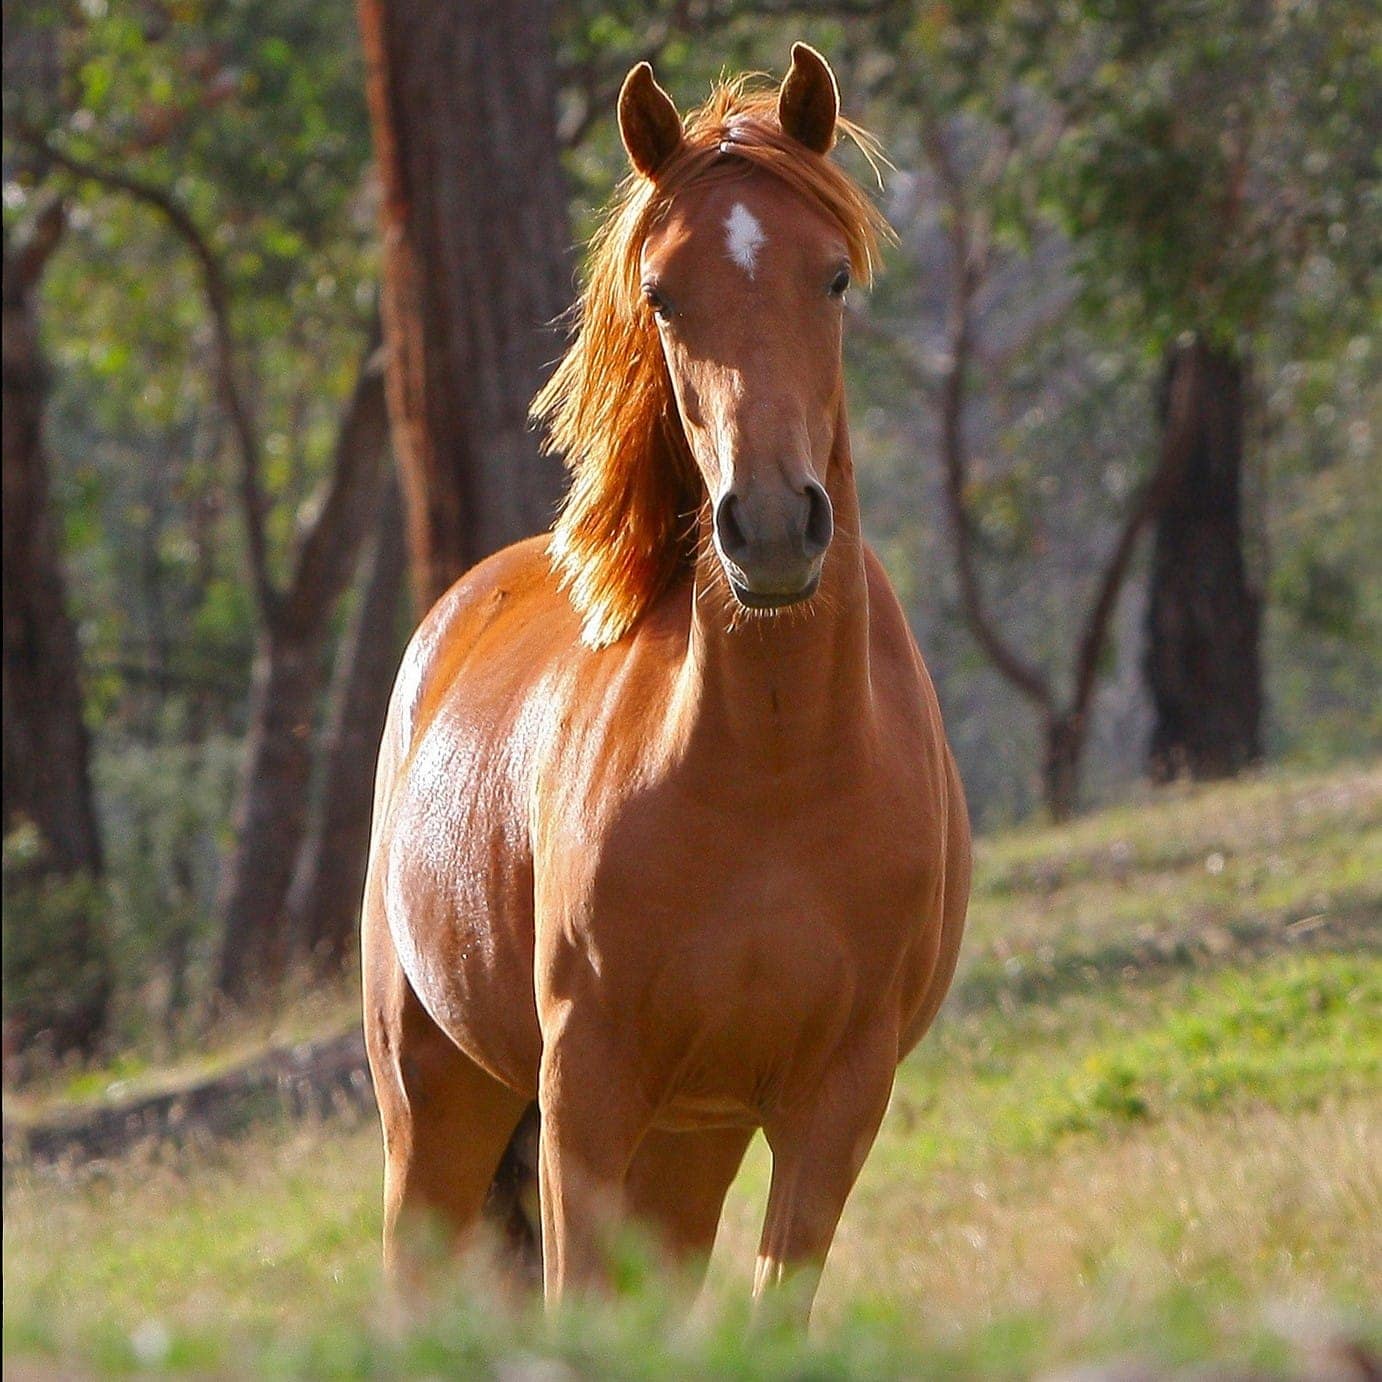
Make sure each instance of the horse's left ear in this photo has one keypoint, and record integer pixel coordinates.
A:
(808, 103)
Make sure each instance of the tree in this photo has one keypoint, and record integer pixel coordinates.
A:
(1204, 617)
(323, 903)
(1065, 716)
(271, 817)
(963, 106)
(1205, 163)
(60, 983)
(1217, 152)
(169, 118)
(475, 267)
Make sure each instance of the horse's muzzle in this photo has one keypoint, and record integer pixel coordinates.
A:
(772, 545)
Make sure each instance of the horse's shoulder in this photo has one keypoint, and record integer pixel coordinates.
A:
(508, 588)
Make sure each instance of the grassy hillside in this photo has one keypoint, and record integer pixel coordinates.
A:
(1148, 1125)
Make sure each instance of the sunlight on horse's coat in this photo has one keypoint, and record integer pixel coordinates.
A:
(744, 237)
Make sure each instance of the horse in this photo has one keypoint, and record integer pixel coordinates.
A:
(668, 840)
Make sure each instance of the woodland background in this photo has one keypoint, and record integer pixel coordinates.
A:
(1115, 403)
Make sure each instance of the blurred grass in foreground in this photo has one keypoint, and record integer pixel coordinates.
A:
(1148, 1126)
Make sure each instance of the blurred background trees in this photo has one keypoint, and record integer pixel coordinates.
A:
(1115, 400)
(50, 824)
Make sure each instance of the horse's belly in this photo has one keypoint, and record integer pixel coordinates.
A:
(691, 1113)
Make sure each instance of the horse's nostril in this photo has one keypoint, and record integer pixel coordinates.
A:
(820, 522)
(732, 538)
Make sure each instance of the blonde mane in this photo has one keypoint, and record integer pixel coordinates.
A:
(628, 523)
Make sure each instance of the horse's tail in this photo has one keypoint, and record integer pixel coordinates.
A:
(512, 1206)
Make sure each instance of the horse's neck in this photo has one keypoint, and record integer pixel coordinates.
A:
(778, 684)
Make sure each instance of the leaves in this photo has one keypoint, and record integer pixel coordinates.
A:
(1188, 178)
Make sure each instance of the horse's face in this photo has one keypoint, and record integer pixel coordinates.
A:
(747, 281)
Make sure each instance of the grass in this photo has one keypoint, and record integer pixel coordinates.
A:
(1148, 1126)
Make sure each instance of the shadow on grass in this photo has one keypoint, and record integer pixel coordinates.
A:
(1044, 978)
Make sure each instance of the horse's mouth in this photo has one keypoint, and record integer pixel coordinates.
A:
(765, 600)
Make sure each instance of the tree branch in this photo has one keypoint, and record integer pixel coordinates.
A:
(1181, 406)
(1106, 600)
(330, 541)
(969, 264)
(38, 240)
(947, 393)
(226, 372)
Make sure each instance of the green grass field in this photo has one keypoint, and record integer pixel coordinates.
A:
(1148, 1126)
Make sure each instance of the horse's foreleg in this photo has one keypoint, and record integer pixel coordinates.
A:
(818, 1150)
(593, 1118)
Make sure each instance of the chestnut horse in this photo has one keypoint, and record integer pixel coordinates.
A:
(668, 838)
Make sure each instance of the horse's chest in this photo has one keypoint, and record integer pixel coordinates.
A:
(744, 955)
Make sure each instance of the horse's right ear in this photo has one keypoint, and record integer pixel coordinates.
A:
(648, 121)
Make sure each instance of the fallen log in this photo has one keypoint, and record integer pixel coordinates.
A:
(315, 1079)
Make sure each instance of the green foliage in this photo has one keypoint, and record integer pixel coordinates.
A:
(164, 814)
(1288, 1035)
(253, 111)
(1217, 155)
(52, 968)
(252, 117)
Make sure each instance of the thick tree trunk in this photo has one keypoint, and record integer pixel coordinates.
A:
(56, 984)
(271, 812)
(1203, 661)
(324, 901)
(475, 267)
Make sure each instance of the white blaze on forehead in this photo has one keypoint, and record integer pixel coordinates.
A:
(744, 237)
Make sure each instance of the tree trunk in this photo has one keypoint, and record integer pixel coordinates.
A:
(1060, 771)
(475, 233)
(1203, 662)
(57, 984)
(271, 812)
(324, 901)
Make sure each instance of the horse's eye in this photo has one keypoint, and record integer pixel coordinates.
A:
(661, 309)
(839, 285)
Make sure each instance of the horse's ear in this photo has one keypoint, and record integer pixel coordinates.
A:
(808, 103)
(648, 121)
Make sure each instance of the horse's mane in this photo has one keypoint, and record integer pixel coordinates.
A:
(628, 523)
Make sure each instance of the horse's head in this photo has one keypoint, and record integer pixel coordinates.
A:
(746, 278)
(705, 376)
